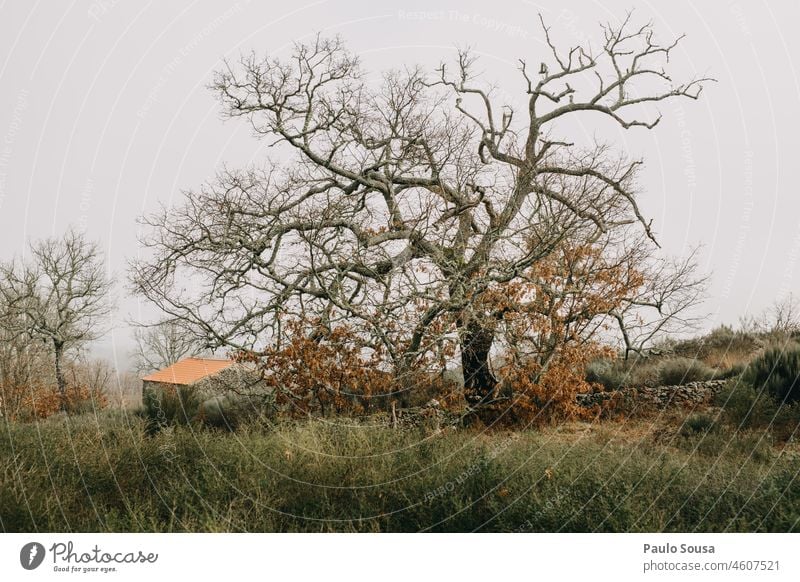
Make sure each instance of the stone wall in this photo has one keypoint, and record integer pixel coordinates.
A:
(687, 396)
(430, 416)
(690, 394)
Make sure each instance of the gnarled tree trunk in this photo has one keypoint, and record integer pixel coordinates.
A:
(479, 381)
(58, 349)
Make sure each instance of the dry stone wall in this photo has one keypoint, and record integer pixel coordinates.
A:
(690, 394)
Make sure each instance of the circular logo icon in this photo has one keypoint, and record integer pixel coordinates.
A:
(31, 555)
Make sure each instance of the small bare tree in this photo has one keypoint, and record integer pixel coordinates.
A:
(408, 204)
(59, 295)
(783, 317)
(162, 344)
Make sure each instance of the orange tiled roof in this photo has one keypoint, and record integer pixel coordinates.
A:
(188, 371)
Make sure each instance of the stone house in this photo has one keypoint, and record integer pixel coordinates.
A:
(209, 377)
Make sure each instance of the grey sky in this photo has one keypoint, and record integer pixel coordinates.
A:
(104, 114)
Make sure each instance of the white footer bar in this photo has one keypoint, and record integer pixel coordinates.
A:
(388, 557)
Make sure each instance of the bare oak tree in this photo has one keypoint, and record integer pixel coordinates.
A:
(59, 296)
(406, 202)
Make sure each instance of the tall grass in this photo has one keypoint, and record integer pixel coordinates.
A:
(105, 474)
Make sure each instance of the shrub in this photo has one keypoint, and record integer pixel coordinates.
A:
(645, 372)
(84, 399)
(323, 371)
(733, 371)
(535, 394)
(697, 424)
(777, 371)
(677, 371)
(169, 406)
(229, 411)
(38, 401)
(722, 347)
(618, 374)
(746, 407)
(606, 374)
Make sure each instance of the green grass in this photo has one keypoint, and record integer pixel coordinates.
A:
(105, 474)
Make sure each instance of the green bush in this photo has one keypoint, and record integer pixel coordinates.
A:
(765, 396)
(733, 371)
(777, 372)
(168, 406)
(746, 407)
(678, 371)
(697, 424)
(229, 411)
(618, 374)
(605, 373)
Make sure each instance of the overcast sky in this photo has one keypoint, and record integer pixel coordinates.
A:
(104, 114)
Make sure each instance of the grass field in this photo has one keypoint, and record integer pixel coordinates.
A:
(102, 473)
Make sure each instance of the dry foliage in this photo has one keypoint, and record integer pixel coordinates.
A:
(551, 321)
(37, 401)
(27, 380)
(540, 394)
(322, 371)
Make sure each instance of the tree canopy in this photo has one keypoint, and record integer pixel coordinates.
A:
(424, 214)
